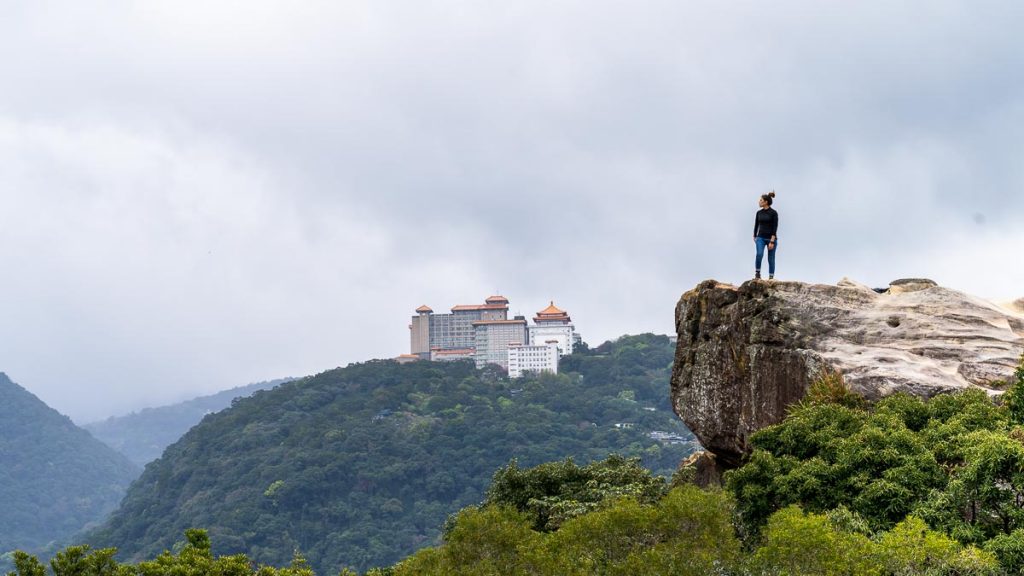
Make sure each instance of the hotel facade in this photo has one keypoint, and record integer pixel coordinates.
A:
(485, 334)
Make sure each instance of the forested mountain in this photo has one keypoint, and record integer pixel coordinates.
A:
(142, 436)
(361, 465)
(54, 477)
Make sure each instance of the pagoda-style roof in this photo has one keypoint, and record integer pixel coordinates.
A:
(496, 300)
(425, 309)
(552, 309)
(552, 314)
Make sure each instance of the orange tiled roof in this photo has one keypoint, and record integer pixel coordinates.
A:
(496, 298)
(551, 310)
(424, 308)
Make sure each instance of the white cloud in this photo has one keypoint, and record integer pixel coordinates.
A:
(155, 263)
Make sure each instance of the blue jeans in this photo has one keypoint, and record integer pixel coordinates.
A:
(761, 244)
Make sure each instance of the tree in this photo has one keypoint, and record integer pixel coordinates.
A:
(912, 548)
(799, 543)
(26, 565)
(556, 491)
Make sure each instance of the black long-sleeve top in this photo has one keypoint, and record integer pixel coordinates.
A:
(766, 223)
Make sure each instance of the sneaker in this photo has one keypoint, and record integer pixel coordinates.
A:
(771, 276)
(757, 274)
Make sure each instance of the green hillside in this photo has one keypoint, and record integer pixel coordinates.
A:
(360, 466)
(904, 486)
(143, 435)
(54, 477)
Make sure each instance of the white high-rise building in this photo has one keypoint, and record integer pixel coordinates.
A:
(524, 358)
(554, 324)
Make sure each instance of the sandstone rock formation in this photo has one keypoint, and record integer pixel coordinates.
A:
(746, 353)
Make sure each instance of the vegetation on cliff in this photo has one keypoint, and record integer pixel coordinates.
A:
(54, 477)
(361, 466)
(955, 462)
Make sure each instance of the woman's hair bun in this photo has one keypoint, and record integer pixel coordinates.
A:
(772, 193)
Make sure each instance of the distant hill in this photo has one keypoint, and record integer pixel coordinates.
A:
(55, 478)
(360, 466)
(142, 436)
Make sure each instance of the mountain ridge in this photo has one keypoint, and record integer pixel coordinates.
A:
(55, 478)
(358, 466)
(143, 435)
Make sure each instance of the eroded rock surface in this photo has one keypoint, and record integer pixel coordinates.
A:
(746, 353)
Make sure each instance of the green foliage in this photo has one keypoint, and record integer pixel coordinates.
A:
(830, 388)
(194, 559)
(1013, 398)
(952, 466)
(487, 541)
(82, 561)
(54, 477)
(795, 543)
(361, 466)
(687, 532)
(554, 492)
(1009, 550)
(826, 455)
(912, 548)
(984, 495)
(26, 565)
(799, 543)
(881, 464)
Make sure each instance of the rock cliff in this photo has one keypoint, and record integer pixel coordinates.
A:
(746, 353)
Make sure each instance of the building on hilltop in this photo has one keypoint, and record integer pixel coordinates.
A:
(551, 337)
(553, 323)
(523, 358)
(485, 334)
(431, 333)
(493, 337)
(419, 331)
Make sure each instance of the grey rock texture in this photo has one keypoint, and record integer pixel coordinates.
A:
(746, 353)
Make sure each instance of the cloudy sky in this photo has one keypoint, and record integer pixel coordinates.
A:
(198, 195)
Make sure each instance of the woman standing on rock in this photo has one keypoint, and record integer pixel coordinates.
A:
(766, 224)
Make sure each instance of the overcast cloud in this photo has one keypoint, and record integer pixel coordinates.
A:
(198, 195)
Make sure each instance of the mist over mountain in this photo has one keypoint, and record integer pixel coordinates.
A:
(55, 478)
(359, 466)
(143, 435)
